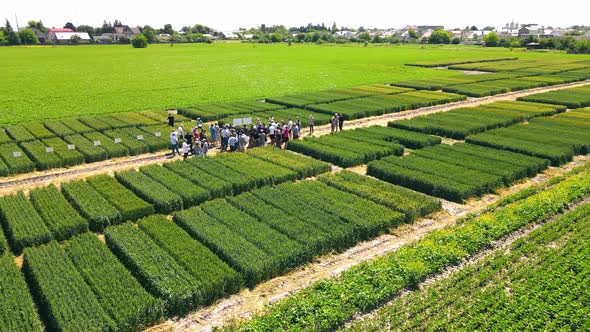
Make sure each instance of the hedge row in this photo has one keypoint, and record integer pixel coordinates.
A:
(4, 138)
(412, 204)
(152, 191)
(460, 123)
(3, 243)
(190, 193)
(345, 149)
(23, 225)
(91, 152)
(17, 309)
(573, 98)
(409, 139)
(90, 203)
(253, 263)
(212, 112)
(263, 172)
(133, 145)
(68, 157)
(382, 104)
(303, 165)
(130, 206)
(557, 139)
(19, 133)
(59, 216)
(155, 269)
(330, 303)
(218, 187)
(447, 172)
(211, 166)
(119, 293)
(214, 277)
(65, 299)
(43, 160)
(445, 63)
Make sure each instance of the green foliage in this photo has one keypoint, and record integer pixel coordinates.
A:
(43, 160)
(68, 157)
(130, 206)
(155, 269)
(17, 310)
(304, 166)
(140, 41)
(163, 199)
(19, 133)
(491, 39)
(218, 187)
(439, 36)
(215, 278)
(113, 149)
(572, 98)
(23, 225)
(90, 203)
(63, 221)
(330, 303)
(530, 266)
(121, 296)
(91, 152)
(190, 193)
(16, 165)
(62, 293)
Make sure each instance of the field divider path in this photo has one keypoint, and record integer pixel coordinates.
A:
(10, 185)
(499, 245)
(248, 302)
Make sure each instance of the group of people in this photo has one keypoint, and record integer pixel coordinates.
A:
(336, 122)
(193, 142)
(276, 133)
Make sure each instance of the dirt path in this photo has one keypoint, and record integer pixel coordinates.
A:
(25, 182)
(503, 244)
(244, 304)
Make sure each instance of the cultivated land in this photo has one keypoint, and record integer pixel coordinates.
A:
(59, 82)
(136, 244)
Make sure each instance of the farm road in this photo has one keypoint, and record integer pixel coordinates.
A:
(25, 182)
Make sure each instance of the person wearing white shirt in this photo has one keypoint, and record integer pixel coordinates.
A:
(174, 143)
(185, 149)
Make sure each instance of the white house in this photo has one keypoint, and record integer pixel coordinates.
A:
(66, 37)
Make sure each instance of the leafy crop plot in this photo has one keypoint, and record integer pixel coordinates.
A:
(24, 227)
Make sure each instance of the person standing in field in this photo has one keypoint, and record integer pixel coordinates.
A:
(271, 131)
(341, 121)
(335, 122)
(242, 142)
(278, 138)
(224, 138)
(170, 120)
(198, 149)
(189, 139)
(199, 123)
(311, 123)
(298, 122)
(290, 126)
(180, 131)
(332, 122)
(286, 133)
(205, 148)
(295, 131)
(185, 149)
(174, 143)
(213, 132)
(233, 143)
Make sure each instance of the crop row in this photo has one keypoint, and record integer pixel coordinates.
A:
(558, 138)
(212, 112)
(445, 63)
(383, 104)
(573, 98)
(285, 114)
(456, 172)
(329, 96)
(460, 123)
(455, 303)
(330, 303)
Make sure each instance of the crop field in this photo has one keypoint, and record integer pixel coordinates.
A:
(359, 146)
(513, 278)
(456, 172)
(162, 77)
(127, 248)
(460, 123)
(558, 138)
(377, 281)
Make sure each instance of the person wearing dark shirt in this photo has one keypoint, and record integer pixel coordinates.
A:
(341, 121)
(189, 140)
(170, 120)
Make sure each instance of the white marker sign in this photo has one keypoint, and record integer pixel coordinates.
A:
(117, 140)
(96, 143)
(158, 134)
(16, 154)
(71, 147)
(48, 149)
(139, 137)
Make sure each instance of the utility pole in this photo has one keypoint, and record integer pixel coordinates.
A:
(18, 29)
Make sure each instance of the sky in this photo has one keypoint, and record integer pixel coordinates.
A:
(230, 15)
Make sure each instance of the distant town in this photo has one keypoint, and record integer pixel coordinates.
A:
(512, 34)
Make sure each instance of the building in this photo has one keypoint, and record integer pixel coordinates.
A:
(51, 33)
(531, 30)
(344, 34)
(66, 37)
(117, 34)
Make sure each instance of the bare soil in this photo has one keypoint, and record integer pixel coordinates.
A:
(25, 182)
(245, 304)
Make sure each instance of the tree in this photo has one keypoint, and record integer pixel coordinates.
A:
(27, 36)
(140, 41)
(70, 25)
(364, 37)
(8, 27)
(75, 40)
(491, 39)
(489, 28)
(107, 27)
(456, 41)
(13, 38)
(88, 29)
(3, 40)
(582, 46)
(149, 33)
(37, 25)
(334, 27)
(439, 36)
(124, 40)
(473, 28)
(361, 29)
(168, 29)
(413, 34)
